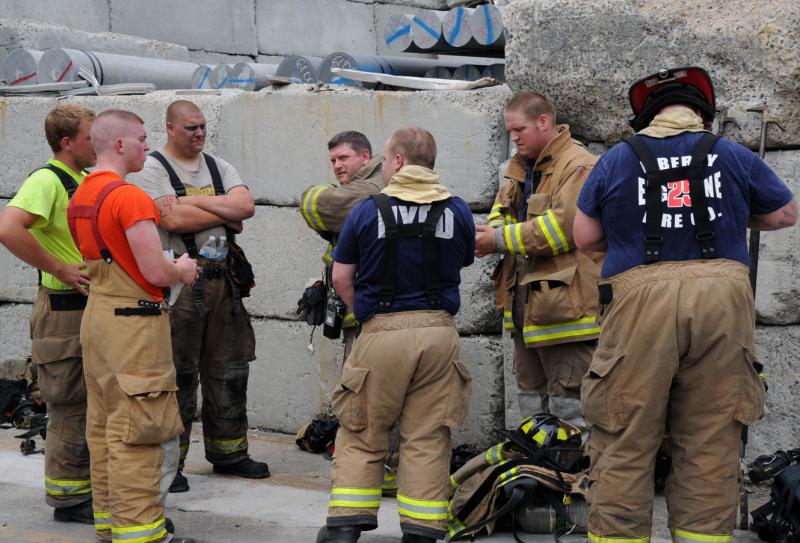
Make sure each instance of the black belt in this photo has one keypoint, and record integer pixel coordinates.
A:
(72, 301)
(146, 309)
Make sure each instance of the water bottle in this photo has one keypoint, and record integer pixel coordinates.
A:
(222, 247)
(209, 248)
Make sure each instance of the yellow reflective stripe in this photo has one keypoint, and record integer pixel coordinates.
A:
(454, 525)
(518, 234)
(304, 208)
(314, 211)
(594, 538)
(497, 223)
(225, 446)
(358, 498)
(685, 536)
(67, 487)
(453, 482)
(508, 321)
(421, 509)
(539, 437)
(513, 238)
(550, 241)
(581, 327)
(559, 232)
(505, 475)
(102, 521)
(495, 454)
(349, 320)
(507, 237)
(141, 533)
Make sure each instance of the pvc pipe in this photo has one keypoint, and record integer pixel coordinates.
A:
(251, 76)
(219, 76)
(397, 34)
(377, 64)
(496, 72)
(439, 72)
(467, 72)
(456, 30)
(21, 67)
(201, 75)
(486, 24)
(426, 30)
(300, 69)
(59, 65)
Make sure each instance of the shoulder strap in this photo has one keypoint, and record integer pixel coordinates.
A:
(386, 293)
(180, 190)
(216, 177)
(66, 179)
(430, 260)
(91, 212)
(656, 178)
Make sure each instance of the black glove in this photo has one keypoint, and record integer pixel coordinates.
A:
(311, 306)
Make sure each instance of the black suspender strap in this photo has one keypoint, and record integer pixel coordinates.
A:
(657, 178)
(180, 190)
(216, 178)
(66, 179)
(394, 231)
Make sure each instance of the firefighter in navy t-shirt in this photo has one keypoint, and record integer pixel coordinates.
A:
(398, 263)
(672, 206)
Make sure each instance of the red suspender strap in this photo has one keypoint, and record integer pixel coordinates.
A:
(91, 212)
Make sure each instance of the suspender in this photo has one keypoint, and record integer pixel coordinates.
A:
(91, 212)
(430, 261)
(66, 179)
(656, 178)
(180, 190)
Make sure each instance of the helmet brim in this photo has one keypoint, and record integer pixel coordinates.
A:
(691, 75)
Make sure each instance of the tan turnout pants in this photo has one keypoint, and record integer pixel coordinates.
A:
(404, 368)
(133, 420)
(676, 346)
(55, 348)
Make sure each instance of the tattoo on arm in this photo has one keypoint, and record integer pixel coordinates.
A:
(165, 204)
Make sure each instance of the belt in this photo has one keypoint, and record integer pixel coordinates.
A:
(213, 271)
(72, 301)
(146, 309)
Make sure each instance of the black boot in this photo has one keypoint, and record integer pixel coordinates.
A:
(179, 484)
(170, 527)
(77, 513)
(247, 467)
(416, 538)
(338, 534)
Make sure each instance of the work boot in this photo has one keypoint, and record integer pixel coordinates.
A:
(416, 538)
(338, 534)
(179, 484)
(247, 467)
(170, 527)
(77, 513)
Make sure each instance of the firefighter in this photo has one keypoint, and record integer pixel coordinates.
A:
(672, 205)
(546, 288)
(398, 264)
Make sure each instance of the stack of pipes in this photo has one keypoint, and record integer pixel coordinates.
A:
(463, 31)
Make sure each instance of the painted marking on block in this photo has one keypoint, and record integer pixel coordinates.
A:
(426, 28)
(457, 26)
(205, 77)
(23, 78)
(399, 34)
(489, 28)
(60, 77)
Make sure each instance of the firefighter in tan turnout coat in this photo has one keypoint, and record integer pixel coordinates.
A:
(545, 287)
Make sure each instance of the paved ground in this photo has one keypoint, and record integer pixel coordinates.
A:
(290, 506)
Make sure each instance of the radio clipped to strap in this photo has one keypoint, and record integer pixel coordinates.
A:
(430, 262)
(694, 173)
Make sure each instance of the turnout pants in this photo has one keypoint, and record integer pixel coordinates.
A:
(404, 368)
(133, 420)
(549, 377)
(213, 351)
(56, 349)
(676, 346)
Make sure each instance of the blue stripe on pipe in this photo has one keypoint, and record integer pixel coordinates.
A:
(426, 28)
(402, 32)
(457, 27)
(237, 81)
(222, 83)
(203, 81)
(489, 29)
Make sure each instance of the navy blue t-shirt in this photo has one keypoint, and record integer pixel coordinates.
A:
(737, 184)
(362, 242)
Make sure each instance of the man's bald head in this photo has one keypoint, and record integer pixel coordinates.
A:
(180, 107)
(113, 125)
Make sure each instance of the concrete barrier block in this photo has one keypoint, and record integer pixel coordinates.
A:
(18, 283)
(209, 57)
(272, 126)
(335, 26)
(285, 254)
(227, 26)
(586, 60)
(778, 291)
(15, 340)
(289, 384)
(36, 35)
(90, 15)
(780, 427)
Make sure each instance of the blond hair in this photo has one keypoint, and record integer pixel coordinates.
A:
(64, 121)
(416, 145)
(532, 104)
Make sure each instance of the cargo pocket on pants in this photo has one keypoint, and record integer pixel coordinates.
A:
(458, 397)
(349, 401)
(601, 393)
(233, 399)
(750, 404)
(152, 415)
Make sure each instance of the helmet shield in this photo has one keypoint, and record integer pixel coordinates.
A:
(689, 85)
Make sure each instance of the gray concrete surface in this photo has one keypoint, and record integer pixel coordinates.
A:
(90, 15)
(585, 55)
(290, 506)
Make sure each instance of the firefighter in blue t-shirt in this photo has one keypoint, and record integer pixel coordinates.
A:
(397, 263)
(672, 206)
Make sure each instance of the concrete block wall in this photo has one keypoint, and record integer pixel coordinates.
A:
(277, 141)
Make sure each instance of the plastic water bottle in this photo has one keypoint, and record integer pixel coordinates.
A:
(222, 248)
(209, 248)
